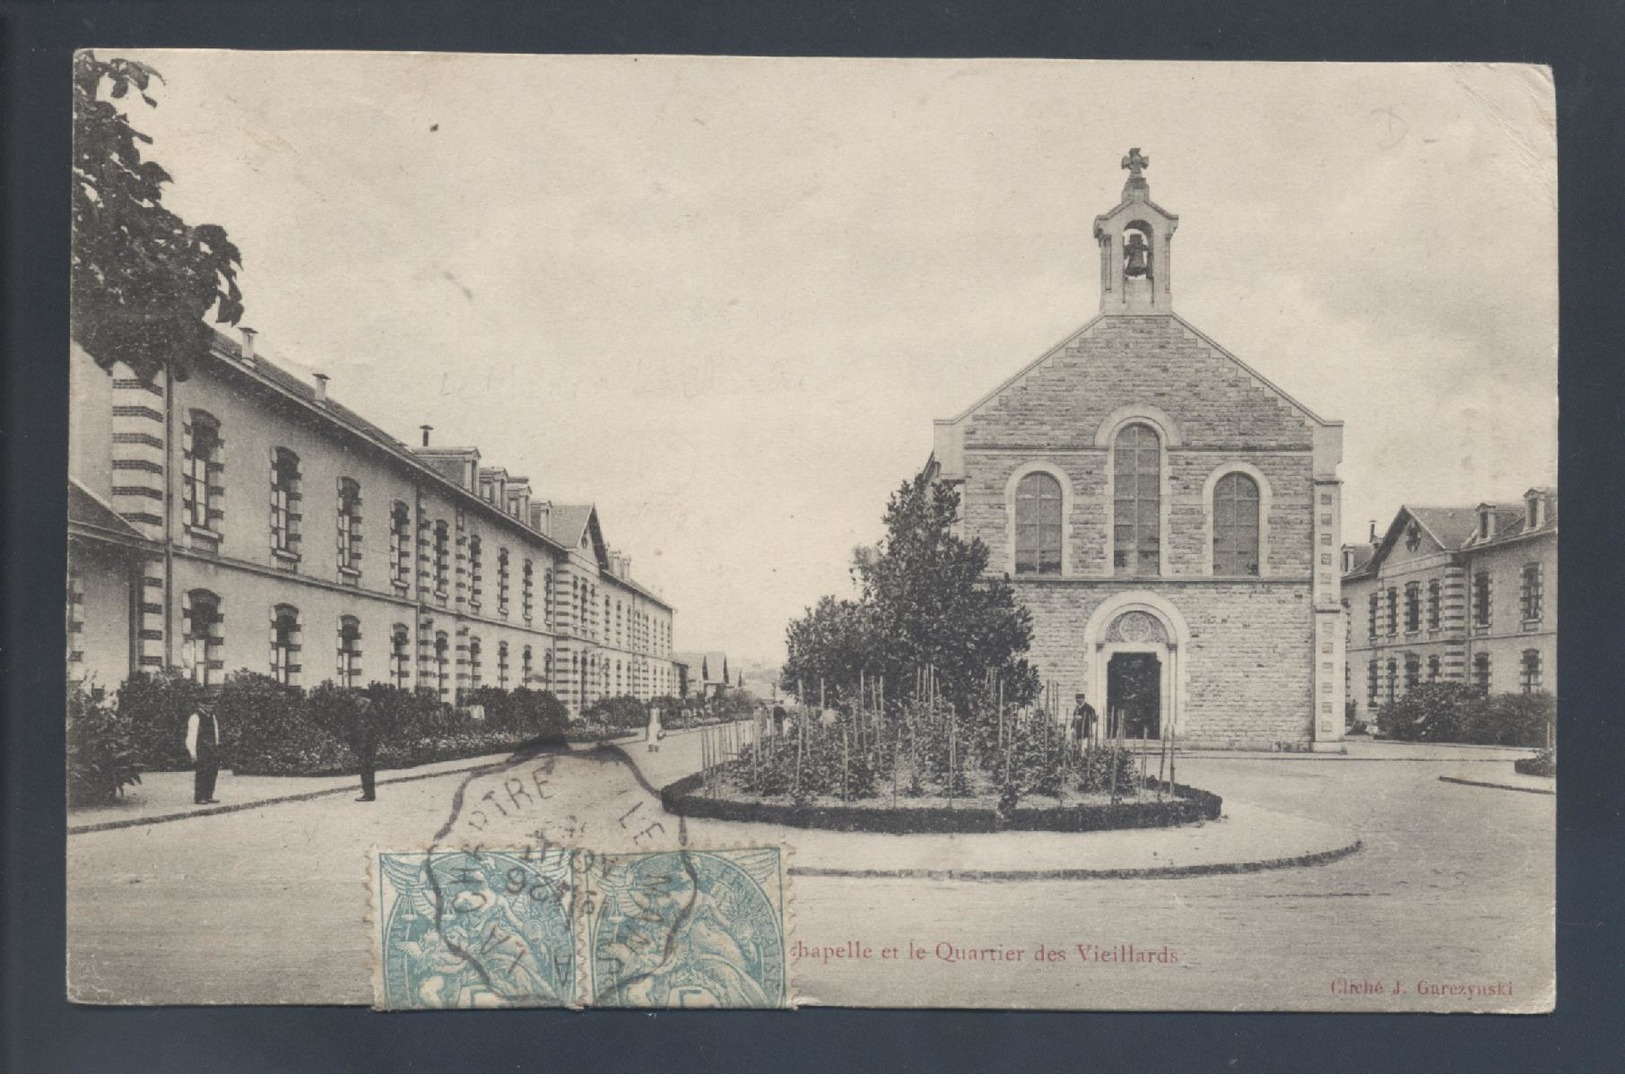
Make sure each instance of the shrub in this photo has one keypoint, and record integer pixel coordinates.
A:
(157, 705)
(618, 713)
(101, 749)
(1448, 711)
(538, 714)
(1543, 765)
(267, 728)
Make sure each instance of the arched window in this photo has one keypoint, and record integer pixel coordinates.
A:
(400, 655)
(349, 525)
(502, 580)
(474, 662)
(1433, 668)
(547, 599)
(527, 597)
(349, 669)
(1235, 525)
(1038, 524)
(1481, 671)
(203, 639)
(476, 572)
(200, 466)
(526, 667)
(1137, 502)
(285, 644)
(285, 482)
(502, 665)
(1529, 671)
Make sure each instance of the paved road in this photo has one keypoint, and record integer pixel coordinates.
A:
(1455, 886)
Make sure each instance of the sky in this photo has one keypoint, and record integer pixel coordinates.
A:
(724, 298)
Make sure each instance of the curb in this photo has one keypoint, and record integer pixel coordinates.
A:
(1499, 786)
(308, 795)
(1164, 872)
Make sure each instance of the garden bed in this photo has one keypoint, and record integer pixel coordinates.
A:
(921, 815)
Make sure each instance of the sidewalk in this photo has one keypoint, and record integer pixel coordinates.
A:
(167, 795)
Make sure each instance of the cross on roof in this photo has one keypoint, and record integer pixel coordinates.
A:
(1134, 162)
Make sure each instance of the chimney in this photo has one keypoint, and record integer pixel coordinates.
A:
(321, 389)
(248, 343)
(626, 568)
(425, 428)
(1372, 539)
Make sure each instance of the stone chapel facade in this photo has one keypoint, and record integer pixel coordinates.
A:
(1170, 517)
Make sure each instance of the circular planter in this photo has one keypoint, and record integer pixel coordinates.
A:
(1188, 805)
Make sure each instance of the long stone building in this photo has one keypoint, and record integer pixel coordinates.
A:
(1171, 517)
(244, 519)
(1464, 594)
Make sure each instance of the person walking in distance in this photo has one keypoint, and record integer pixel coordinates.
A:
(652, 738)
(364, 742)
(203, 746)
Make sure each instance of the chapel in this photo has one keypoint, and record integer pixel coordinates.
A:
(1170, 516)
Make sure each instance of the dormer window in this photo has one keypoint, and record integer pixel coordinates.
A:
(1533, 516)
(1486, 522)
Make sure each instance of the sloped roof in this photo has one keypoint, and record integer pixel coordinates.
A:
(88, 512)
(1059, 347)
(566, 523)
(1450, 526)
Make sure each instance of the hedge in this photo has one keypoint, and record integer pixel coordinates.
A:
(267, 728)
(1450, 711)
(1541, 765)
(683, 799)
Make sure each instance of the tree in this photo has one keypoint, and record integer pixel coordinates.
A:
(924, 601)
(142, 278)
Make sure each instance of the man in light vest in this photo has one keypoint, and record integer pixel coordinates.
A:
(203, 746)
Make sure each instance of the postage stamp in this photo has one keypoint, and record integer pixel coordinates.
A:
(474, 929)
(687, 929)
(558, 927)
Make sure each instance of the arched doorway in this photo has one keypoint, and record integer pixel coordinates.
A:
(1135, 680)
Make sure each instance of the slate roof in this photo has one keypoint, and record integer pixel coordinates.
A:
(1455, 527)
(566, 523)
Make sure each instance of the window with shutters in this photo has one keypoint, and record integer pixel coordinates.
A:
(442, 665)
(1530, 593)
(349, 665)
(400, 656)
(1038, 523)
(1481, 600)
(442, 560)
(202, 492)
(285, 496)
(527, 595)
(502, 581)
(203, 637)
(1235, 526)
(349, 527)
(1529, 671)
(1434, 604)
(400, 545)
(285, 644)
(476, 572)
(1137, 502)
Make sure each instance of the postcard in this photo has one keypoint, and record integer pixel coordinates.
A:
(674, 532)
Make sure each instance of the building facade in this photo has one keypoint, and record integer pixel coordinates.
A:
(1464, 594)
(243, 519)
(1166, 513)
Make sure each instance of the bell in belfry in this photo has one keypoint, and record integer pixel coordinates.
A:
(1136, 256)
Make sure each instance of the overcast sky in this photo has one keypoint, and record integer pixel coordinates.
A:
(723, 299)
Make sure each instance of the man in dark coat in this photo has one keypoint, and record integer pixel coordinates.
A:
(203, 745)
(364, 742)
(1083, 721)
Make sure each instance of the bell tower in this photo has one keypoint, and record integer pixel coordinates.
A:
(1136, 248)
